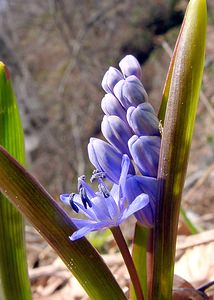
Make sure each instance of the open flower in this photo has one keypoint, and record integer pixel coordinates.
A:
(103, 209)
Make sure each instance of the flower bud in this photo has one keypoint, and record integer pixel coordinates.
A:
(145, 152)
(143, 120)
(107, 159)
(117, 133)
(136, 186)
(129, 65)
(112, 107)
(110, 79)
(130, 92)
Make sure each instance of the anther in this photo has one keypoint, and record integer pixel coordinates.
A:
(79, 184)
(85, 200)
(97, 174)
(72, 204)
(103, 190)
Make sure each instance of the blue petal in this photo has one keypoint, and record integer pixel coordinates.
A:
(143, 120)
(112, 107)
(88, 228)
(117, 132)
(118, 91)
(138, 204)
(79, 223)
(145, 152)
(65, 198)
(113, 209)
(137, 185)
(89, 190)
(115, 193)
(100, 208)
(125, 168)
(88, 212)
(129, 65)
(146, 216)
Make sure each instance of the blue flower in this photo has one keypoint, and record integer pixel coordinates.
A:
(103, 209)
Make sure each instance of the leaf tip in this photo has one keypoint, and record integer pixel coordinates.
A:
(4, 69)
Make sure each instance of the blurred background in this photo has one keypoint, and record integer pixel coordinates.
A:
(58, 51)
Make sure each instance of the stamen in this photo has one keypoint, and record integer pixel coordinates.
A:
(85, 200)
(97, 174)
(79, 183)
(72, 204)
(103, 190)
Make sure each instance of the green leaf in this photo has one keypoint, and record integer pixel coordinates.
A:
(13, 263)
(56, 226)
(177, 135)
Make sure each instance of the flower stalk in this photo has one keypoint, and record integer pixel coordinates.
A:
(119, 238)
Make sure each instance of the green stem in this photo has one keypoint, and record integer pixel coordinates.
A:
(150, 259)
(128, 261)
(139, 256)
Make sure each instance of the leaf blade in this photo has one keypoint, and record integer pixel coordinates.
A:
(177, 135)
(13, 266)
(56, 226)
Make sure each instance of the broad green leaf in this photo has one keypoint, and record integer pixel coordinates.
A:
(56, 226)
(177, 135)
(13, 263)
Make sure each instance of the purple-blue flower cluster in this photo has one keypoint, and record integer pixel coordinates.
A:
(103, 209)
(131, 127)
(129, 158)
